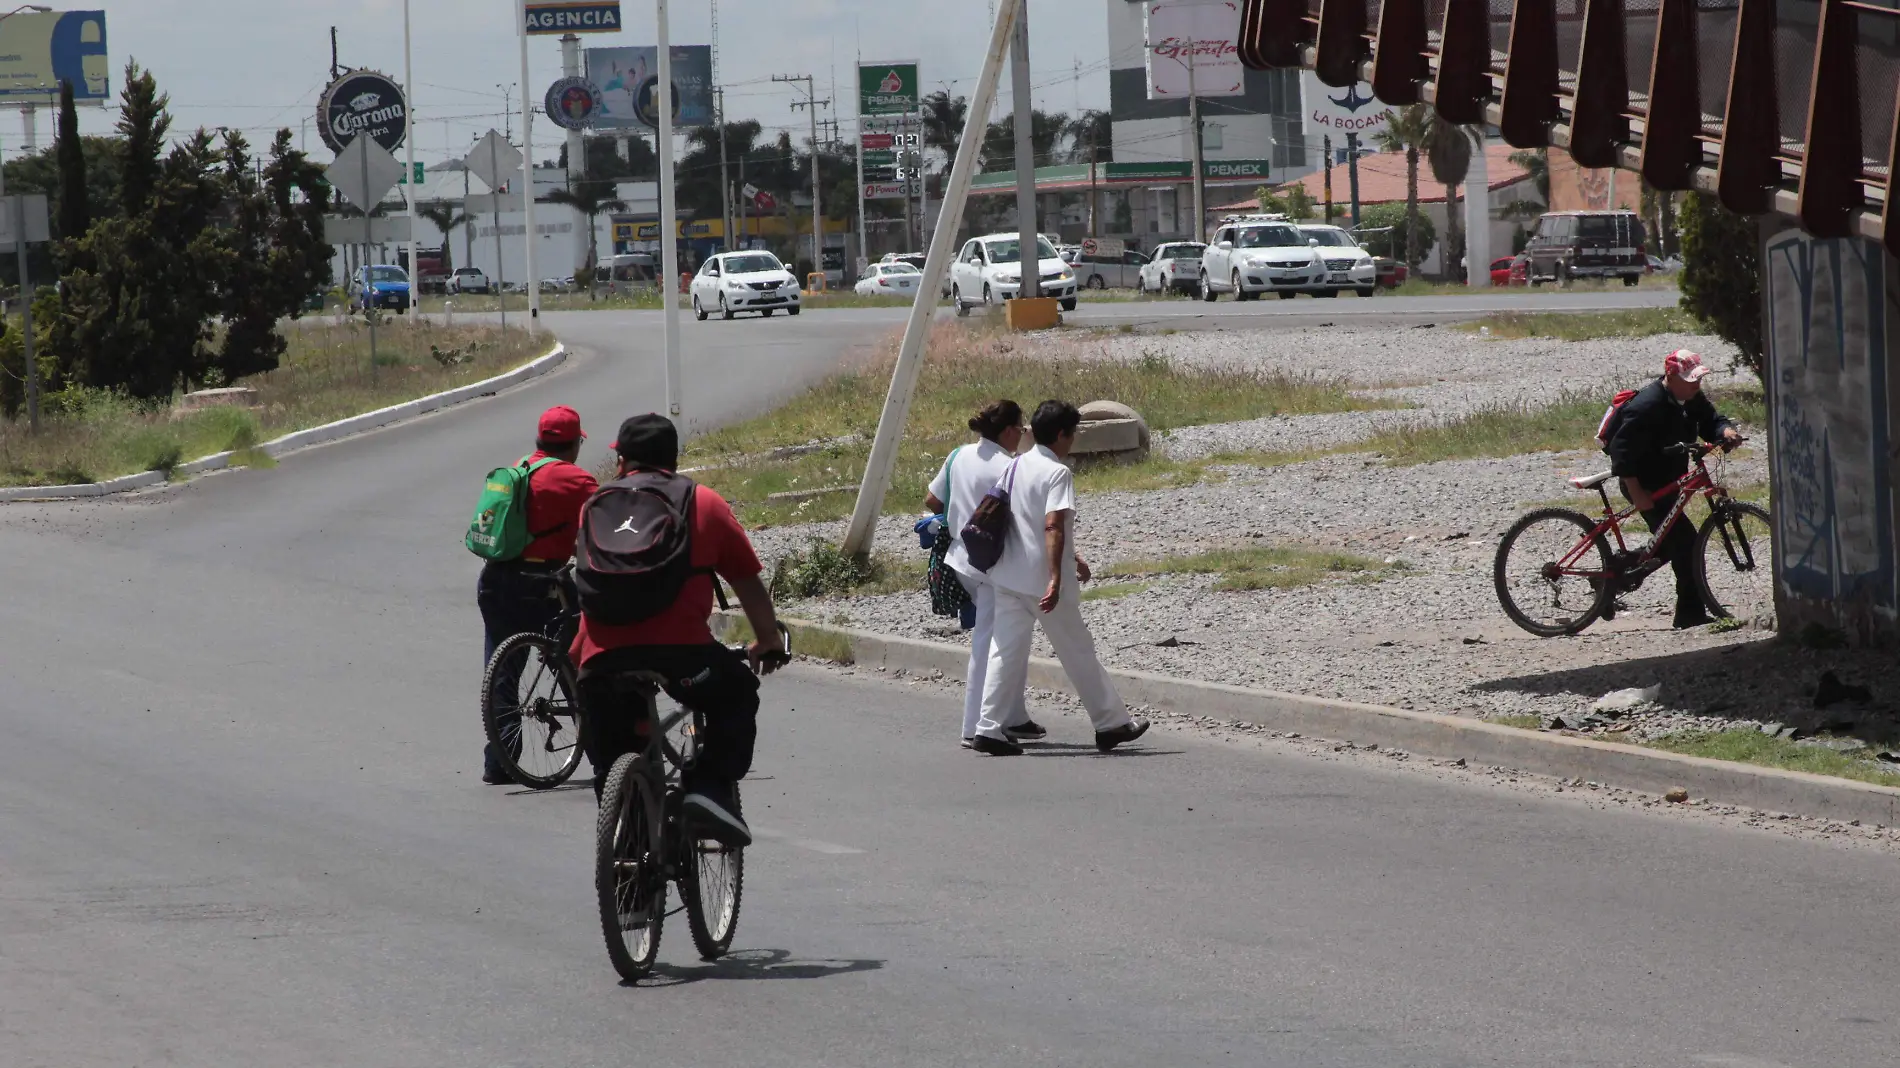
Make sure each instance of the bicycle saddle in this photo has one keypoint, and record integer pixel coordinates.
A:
(1591, 481)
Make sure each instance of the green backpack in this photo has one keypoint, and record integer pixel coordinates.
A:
(499, 530)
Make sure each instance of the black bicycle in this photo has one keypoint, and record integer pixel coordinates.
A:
(531, 709)
(641, 842)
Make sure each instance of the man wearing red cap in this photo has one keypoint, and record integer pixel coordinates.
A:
(515, 595)
(1672, 410)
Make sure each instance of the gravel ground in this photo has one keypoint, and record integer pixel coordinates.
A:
(1431, 636)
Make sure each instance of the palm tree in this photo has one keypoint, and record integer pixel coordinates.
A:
(1046, 130)
(944, 118)
(590, 198)
(1406, 131)
(1448, 151)
(446, 217)
(1535, 161)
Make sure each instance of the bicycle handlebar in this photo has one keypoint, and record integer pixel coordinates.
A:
(1700, 449)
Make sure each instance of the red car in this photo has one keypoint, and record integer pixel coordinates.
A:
(1501, 270)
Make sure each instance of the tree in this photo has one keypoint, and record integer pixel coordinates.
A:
(1448, 151)
(944, 118)
(1045, 133)
(1721, 274)
(1299, 202)
(274, 254)
(697, 172)
(445, 217)
(590, 197)
(1536, 162)
(75, 208)
(144, 122)
(1386, 230)
(1406, 131)
(1091, 137)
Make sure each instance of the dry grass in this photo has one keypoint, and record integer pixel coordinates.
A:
(1587, 326)
(1262, 567)
(327, 374)
(968, 366)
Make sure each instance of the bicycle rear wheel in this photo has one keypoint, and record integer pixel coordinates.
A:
(629, 876)
(1538, 589)
(712, 878)
(1735, 563)
(530, 712)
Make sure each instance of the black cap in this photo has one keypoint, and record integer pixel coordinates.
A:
(650, 440)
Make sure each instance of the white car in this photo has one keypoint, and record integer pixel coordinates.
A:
(732, 282)
(1347, 265)
(890, 280)
(989, 271)
(468, 280)
(1176, 266)
(1255, 254)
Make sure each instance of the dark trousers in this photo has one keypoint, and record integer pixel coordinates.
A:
(710, 679)
(1678, 547)
(513, 599)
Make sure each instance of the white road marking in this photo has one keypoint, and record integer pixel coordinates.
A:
(1734, 1060)
(813, 844)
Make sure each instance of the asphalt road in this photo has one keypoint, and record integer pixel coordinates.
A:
(241, 823)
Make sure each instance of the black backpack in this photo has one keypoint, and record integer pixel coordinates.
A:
(635, 548)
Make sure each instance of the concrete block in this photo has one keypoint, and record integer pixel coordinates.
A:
(1038, 313)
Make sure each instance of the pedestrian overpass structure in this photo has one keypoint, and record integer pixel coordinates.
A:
(1784, 109)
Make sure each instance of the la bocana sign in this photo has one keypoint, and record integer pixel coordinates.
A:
(887, 89)
(363, 101)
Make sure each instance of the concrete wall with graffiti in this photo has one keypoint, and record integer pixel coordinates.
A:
(1828, 304)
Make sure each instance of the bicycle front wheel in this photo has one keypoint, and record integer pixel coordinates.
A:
(629, 872)
(1537, 572)
(712, 878)
(530, 712)
(1735, 563)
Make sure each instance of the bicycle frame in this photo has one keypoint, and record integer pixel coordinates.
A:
(1696, 481)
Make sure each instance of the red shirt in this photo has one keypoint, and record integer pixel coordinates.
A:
(719, 544)
(555, 495)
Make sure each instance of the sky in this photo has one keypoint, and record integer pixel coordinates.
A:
(258, 65)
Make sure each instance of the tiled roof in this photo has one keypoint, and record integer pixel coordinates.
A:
(1382, 179)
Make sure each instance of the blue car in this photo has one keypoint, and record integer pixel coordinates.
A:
(382, 286)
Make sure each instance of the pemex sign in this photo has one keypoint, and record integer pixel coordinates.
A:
(888, 89)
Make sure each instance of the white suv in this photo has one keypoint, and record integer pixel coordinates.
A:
(1347, 265)
(1255, 254)
(468, 280)
(989, 270)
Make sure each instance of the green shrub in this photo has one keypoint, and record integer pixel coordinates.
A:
(820, 570)
(1721, 274)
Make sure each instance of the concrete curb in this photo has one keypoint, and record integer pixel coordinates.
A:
(1432, 735)
(303, 439)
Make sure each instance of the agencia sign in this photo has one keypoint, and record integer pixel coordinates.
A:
(1338, 112)
(1194, 44)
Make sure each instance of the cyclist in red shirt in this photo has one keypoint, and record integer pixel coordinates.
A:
(518, 595)
(678, 645)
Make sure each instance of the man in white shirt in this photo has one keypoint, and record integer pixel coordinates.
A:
(966, 477)
(1036, 580)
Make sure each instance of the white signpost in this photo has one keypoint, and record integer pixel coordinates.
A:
(495, 162)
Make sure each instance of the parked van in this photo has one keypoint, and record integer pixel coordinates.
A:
(1100, 270)
(1587, 244)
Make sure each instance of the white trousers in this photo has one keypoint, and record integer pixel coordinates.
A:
(984, 595)
(1016, 617)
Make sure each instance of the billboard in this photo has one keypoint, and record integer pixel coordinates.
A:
(1337, 112)
(572, 16)
(1193, 47)
(38, 50)
(627, 77)
(888, 89)
(362, 100)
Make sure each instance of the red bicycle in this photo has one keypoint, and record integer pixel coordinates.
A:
(1558, 570)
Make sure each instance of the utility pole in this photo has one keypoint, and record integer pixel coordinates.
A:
(507, 111)
(409, 179)
(1095, 196)
(527, 169)
(811, 104)
(1352, 174)
(335, 68)
(725, 184)
(857, 110)
(1027, 232)
(1198, 178)
(669, 218)
(1328, 171)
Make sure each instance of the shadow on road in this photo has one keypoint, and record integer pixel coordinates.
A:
(754, 964)
(1076, 749)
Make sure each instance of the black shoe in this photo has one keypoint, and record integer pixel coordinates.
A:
(989, 746)
(712, 818)
(1106, 740)
(1026, 731)
(497, 777)
(1692, 617)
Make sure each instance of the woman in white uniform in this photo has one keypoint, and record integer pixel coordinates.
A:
(967, 475)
